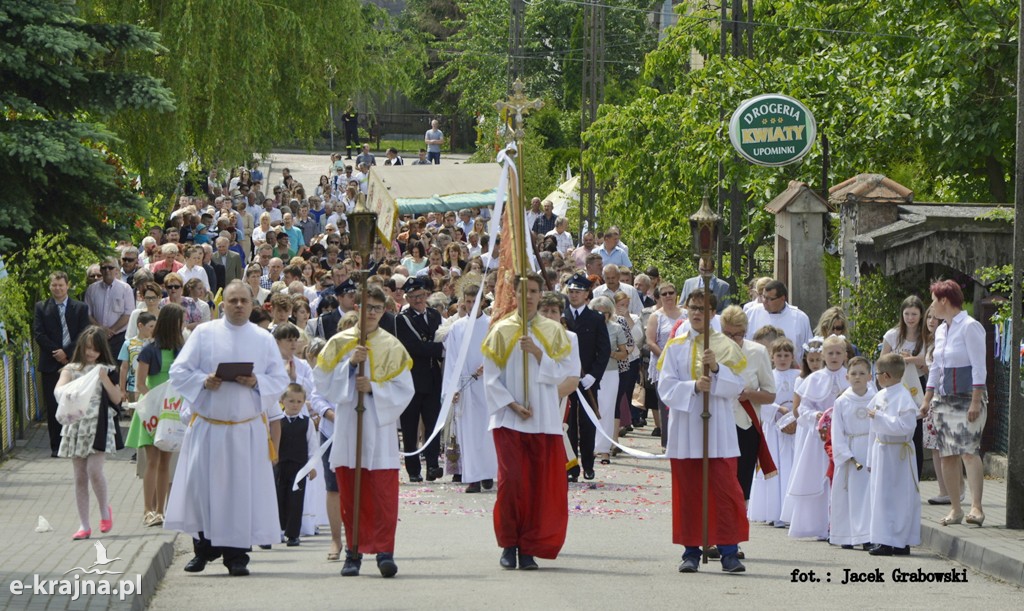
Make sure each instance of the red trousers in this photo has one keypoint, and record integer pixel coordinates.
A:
(378, 508)
(532, 508)
(727, 512)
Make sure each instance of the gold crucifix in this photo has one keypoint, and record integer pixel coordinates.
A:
(520, 104)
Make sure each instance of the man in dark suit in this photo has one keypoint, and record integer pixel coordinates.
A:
(229, 259)
(416, 328)
(58, 322)
(595, 350)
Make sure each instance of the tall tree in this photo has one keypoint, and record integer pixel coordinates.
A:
(248, 75)
(59, 78)
(917, 85)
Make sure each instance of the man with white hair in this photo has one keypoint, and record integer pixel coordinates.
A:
(146, 252)
(612, 285)
(228, 258)
(563, 239)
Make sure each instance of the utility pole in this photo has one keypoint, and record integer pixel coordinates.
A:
(515, 41)
(1015, 453)
(736, 39)
(591, 96)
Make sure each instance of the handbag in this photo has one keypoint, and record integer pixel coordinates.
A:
(74, 399)
(160, 413)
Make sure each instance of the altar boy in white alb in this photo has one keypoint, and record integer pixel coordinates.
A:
(895, 500)
(223, 493)
(479, 459)
(850, 522)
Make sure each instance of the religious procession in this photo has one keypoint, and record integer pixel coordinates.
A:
(372, 359)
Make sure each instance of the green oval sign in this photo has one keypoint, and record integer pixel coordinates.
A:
(772, 130)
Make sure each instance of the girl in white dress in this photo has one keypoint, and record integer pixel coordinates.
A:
(87, 441)
(766, 496)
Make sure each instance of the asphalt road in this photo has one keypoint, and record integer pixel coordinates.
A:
(618, 554)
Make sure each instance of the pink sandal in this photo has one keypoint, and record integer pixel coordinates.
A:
(82, 534)
(106, 525)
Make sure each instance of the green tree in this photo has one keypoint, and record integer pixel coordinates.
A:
(248, 75)
(61, 78)
(893, 87)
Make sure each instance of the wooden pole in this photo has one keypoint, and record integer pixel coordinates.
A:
(360, 409)
(706, 421)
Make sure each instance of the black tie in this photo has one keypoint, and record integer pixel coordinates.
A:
(575, 315)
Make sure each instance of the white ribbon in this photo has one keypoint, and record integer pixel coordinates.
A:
(597, 425)
(313, 463)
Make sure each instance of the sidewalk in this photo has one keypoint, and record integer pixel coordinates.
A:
(33, 484)
(994, 549)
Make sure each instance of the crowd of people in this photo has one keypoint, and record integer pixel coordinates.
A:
(805, 434)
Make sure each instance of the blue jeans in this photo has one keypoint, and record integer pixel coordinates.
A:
(434, 158)
(725, 550)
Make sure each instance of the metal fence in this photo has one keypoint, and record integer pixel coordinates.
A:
(19, 398)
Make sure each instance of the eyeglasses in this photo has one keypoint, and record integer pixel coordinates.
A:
(374, 309)
(737, 335)
(129, 259)
(151, 297)
(108, 267)
(172, 287)
(767, 298)
(695, 308)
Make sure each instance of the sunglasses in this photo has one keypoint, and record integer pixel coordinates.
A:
(95, 276)
(107, 267)
(129, 259)
(172, 287)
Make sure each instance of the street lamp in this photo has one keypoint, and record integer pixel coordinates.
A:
(704, 227)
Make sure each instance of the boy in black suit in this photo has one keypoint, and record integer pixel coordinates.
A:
(58, 322)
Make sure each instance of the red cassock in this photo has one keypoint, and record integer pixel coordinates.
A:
(727, 512)
(378, 511)
(531, 511)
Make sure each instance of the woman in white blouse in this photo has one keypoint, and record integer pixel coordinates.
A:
(957, 399)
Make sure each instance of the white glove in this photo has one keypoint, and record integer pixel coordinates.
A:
(587, 381)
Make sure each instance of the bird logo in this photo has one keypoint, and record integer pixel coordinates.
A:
(101, 561)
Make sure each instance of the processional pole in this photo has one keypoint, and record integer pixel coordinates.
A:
(514, 108)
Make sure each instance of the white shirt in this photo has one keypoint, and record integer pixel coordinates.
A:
(562, 240)
(757, 375)
(196, 272)
(636, 307)
(790, 319)
(960, 343)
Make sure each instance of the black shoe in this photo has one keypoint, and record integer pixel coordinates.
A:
(457, 478)
(588, 474)
(195, 565)
(474, 487)
(434, 473)
(264, 547)
(386, 565)
(740, 554)
(867, 547)
(573, 478)
(641, 424)
(713, 552)
(508, 558)
(847, 547)
(292, 542)
(527, 563)
(238, 570)
(689, 565)
(352, 564)
(656, 431)
(487, 484)
(901, 551)
(53, 454)
(134, 460)
(732, 564)
(415, 479)
(881, 550)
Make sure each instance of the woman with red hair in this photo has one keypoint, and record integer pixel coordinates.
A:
(956, 397)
